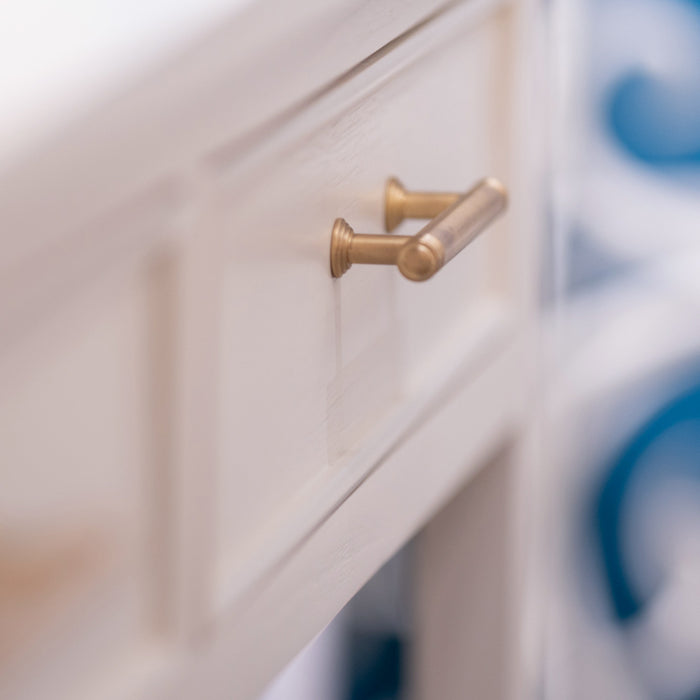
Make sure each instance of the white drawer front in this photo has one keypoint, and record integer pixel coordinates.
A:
(314, 370)
(188, 398)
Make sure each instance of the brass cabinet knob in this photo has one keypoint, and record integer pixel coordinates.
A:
(459, 219)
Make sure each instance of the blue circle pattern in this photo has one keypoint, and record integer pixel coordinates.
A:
(628, 602)
(657, 120)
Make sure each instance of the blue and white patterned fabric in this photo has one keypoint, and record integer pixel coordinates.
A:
(625, 617)
(652, 105)
(634, 139)
(645, 521)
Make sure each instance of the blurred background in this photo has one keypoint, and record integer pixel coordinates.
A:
(622, 343)
(618, 560)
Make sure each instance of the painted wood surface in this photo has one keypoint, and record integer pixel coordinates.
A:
(243, 438)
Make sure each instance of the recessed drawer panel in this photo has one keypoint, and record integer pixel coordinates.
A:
(79, 450)
(316, 372)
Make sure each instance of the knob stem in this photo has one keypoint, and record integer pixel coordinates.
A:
(456, 225)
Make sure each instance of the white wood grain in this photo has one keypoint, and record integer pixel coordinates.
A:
(323, 365)
(309, 586)
(230, 89)
(259, 437)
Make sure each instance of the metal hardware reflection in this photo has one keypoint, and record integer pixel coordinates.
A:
(459, 219)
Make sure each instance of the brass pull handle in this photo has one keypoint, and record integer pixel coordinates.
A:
(459, 219)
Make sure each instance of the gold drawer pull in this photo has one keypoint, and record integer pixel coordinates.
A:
(459, 219)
